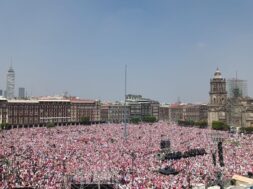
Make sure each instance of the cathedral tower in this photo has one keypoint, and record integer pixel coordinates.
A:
(218, 98)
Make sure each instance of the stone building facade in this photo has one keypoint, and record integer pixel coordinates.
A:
(54, 110)
(236, 111)
(217, 98)
(3, 111)
(186, 112)
(175, 112)
(85, 109)
(114, 113)
(164, 112)
(39, 112)
(23, 112)
(195, 112)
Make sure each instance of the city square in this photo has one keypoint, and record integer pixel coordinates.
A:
(126, 94)
(57, 157)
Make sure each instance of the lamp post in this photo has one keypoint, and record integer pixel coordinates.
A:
(64, 181)
(216, 138)
(133, 155)
(188, 172)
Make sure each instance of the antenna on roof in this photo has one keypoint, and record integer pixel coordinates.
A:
(11, 61)
(178, 100)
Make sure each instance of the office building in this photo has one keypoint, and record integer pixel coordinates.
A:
(21, 93)
(140, 107)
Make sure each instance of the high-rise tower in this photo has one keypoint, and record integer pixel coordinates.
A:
(21, 93)
(218, 98)
(10, 85)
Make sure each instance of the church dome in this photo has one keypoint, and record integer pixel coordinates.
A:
(217, 74)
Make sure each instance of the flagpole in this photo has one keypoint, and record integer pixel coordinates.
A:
(125, 108)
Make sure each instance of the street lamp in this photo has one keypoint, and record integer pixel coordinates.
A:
(133, 155)
(217, 139)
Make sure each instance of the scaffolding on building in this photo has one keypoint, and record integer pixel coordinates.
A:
(237, 88)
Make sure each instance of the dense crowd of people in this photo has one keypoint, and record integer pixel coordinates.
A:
(55, 157)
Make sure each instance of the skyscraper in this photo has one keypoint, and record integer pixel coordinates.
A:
(1, 92)
(10, 86)
(21, 93)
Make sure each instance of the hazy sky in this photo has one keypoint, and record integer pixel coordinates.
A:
(171, 47)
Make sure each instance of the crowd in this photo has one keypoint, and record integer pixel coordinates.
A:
(54, 157)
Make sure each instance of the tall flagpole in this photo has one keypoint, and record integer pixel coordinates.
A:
(125, 127)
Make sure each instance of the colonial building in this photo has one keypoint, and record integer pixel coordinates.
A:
(104, 113)
(164, 112)
(3, 111)
(85, 109)
(54, 110)
(239, 112)
(186, 112)
(175, 112)
(23, 112)
(195, 112)
(218, 99)
(40, 111)
(236, 111)
(114, 113)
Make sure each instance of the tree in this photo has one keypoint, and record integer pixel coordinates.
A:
(186, 123)
(149, 119)
(135, 120)
(219, 125)
(50, 125)
(247, 130)
(4, 126)
(85, 120)
(201, 124)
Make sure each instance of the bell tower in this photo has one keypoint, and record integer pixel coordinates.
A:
(217, 98)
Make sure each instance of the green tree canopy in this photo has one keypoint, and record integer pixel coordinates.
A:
(135, 120)
(50, 125)
(247, 130)
(4, 126)
(85, 120)
(219, 125)
(149, 119)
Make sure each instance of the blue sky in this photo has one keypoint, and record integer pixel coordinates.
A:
(172, 48)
